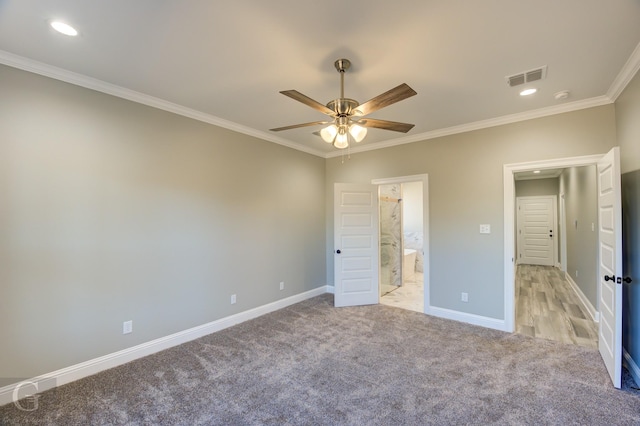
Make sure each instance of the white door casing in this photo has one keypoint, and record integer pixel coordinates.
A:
(509, 204)
(536, 234)
(356, 244)
(610, 263)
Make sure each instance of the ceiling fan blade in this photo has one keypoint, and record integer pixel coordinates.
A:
(294, 94)
(386, 124)
(295, 126)
(387, 98)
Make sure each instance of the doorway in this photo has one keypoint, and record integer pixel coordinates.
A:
(403, 242)
(609, 236)
(510, 171)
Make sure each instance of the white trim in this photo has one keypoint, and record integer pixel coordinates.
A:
(96, 365)
(402, 179)
(483, 124)
(632, 366)
(563, 233)
(81, 80)
(625, 75)
(595, 315)
(509, 220)
(487, 322)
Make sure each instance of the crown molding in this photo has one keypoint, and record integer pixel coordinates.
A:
(484, 124)
(76, 79)
(625, 75)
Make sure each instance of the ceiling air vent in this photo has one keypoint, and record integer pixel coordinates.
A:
(527, 76)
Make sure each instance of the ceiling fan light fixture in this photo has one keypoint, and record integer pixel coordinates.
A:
(358, 132)
(328, 134)
(344, 112)
(342, 140)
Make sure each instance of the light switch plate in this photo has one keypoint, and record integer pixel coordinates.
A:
(485, 229)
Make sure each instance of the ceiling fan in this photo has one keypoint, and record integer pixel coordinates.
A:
(347, 113)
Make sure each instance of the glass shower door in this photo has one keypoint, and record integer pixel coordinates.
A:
(390, 237)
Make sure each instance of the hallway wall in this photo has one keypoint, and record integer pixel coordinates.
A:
(579, 186)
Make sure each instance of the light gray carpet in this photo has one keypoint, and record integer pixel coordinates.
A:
(312, 363)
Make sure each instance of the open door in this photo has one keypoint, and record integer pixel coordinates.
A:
(610, 263)
(356, 244)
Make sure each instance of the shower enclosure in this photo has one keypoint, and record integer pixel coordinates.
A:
(391, 244)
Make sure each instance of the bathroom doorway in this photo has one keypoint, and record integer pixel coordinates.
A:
(402, 243)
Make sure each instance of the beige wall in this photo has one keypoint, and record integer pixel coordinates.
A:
(628, 126)
(579, 185)
(466, 189)
(114, 211)
(537, 187)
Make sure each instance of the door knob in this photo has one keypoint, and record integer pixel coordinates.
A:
(610, 278)
(627, 280)
(338, 251)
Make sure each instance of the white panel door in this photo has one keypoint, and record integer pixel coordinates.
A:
(356, 244)
(537, 220)
(610, 263)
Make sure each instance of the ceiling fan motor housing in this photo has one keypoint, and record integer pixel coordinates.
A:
(343, 107)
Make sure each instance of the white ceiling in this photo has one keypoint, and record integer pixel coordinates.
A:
(225, 61)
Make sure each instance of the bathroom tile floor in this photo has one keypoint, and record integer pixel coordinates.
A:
(409, 296)
(547, 307)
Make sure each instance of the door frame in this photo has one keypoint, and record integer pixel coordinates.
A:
(510, 221)
(563, 233)
(554, 207)
(424, 178)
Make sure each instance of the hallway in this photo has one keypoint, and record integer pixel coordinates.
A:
(548, 308)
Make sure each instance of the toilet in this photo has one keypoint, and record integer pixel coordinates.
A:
(409, 265)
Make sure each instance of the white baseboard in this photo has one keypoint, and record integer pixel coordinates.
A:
(632, 366)
(487, 322)
(595, 315)
(84, 369)
(331, 289)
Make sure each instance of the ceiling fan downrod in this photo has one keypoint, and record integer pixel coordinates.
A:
(342, 65)
(343, 107)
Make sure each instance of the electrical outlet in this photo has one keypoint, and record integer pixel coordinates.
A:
(576, 273)
(233, 299)
(464, 297)
(127, 327)
(281, 285)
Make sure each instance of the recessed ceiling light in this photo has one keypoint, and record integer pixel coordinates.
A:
(527, 92)
(535, 172)
(63, 28)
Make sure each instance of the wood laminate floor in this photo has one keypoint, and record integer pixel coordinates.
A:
(547, 307)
